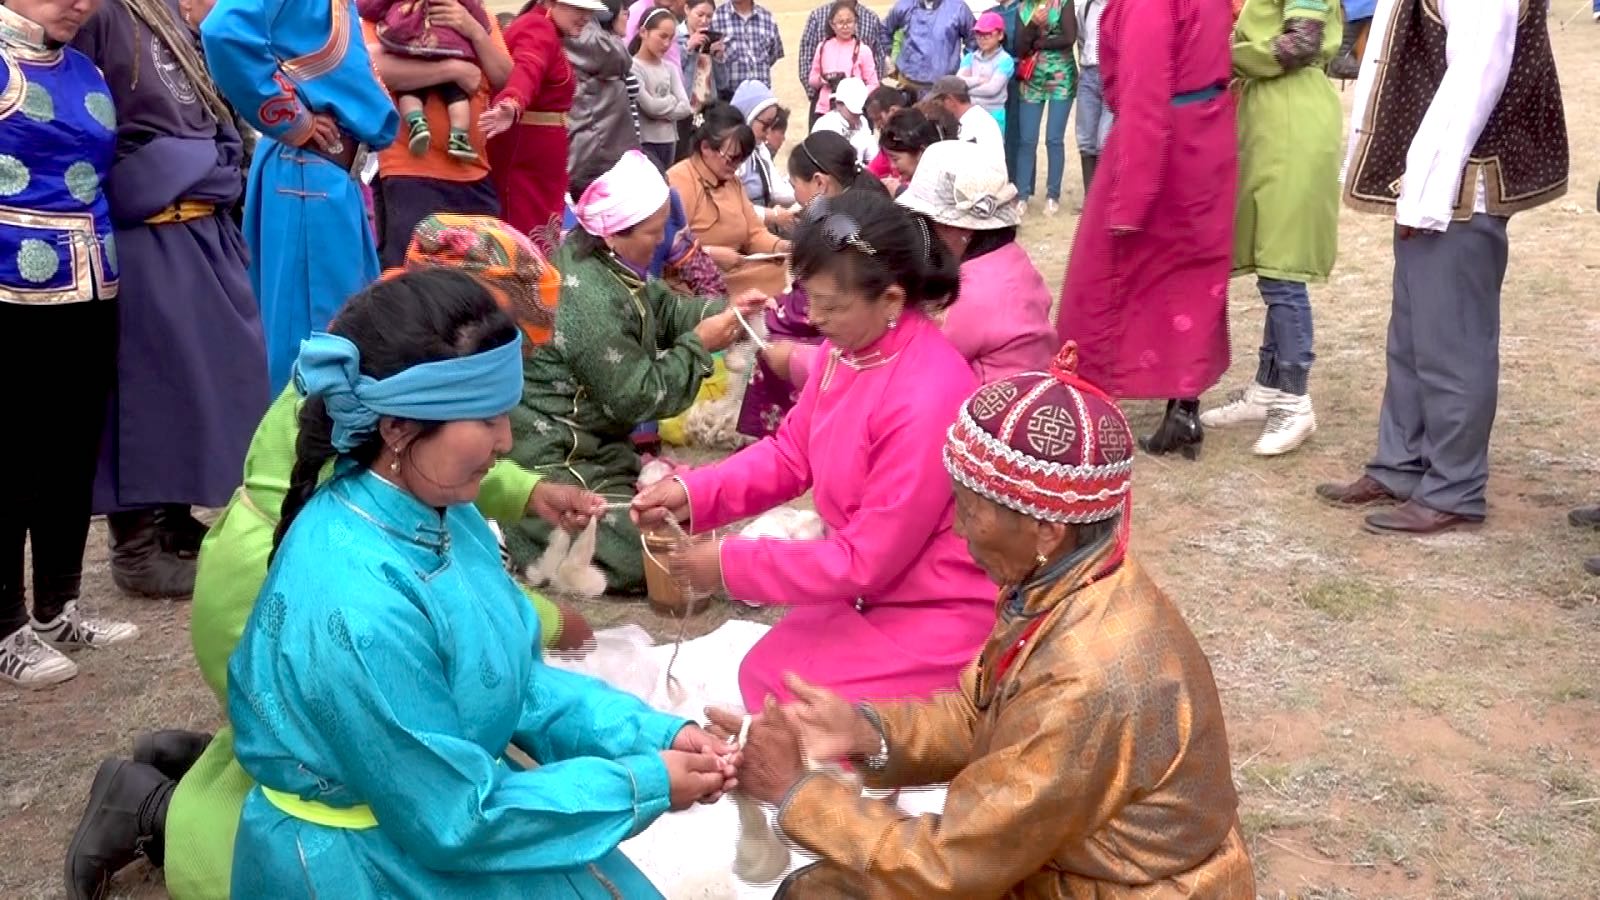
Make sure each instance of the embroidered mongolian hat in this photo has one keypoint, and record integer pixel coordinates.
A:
(522, 281)
(1046, 444)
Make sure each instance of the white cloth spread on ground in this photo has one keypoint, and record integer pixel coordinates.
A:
(689, 855)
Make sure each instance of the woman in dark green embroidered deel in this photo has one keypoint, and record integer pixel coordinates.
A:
(627, 350)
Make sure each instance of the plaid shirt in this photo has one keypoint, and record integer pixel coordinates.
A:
(869, 29)
(753, 46)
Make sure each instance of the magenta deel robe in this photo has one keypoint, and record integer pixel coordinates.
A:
(1149, 309)
(870, 446)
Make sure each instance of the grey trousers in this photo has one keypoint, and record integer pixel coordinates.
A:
(1443, 366)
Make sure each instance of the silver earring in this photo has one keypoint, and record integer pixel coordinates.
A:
(394, 464)
(1039, 560)
(894, 322)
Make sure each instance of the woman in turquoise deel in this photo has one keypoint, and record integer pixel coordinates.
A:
(388, 662)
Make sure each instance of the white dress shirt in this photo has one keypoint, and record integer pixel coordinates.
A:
(1481, 39)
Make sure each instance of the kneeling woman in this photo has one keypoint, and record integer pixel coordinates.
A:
(388, 663)
(1086, 750)
(889, 603)
(627, 350)
(183, 790)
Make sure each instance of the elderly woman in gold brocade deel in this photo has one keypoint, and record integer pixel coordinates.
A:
(1085, 749)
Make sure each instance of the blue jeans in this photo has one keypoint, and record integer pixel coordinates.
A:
(1012, 129)
(1094, 119)
(1030, 115)
(1286, 353)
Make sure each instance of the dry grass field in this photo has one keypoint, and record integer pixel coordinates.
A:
(1410, 718)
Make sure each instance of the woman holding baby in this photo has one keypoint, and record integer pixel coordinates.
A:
(441, 85)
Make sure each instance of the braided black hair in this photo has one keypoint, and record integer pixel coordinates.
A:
(414, 318)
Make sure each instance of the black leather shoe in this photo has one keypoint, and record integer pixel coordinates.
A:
(1179, 431)
(144, 559)
(173, 752)
(182, 533)
(126, 803)
(1584, 517)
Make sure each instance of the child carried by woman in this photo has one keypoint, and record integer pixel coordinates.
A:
(406, 28)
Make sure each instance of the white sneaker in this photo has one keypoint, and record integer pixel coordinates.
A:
(27, 661)
(72, 629)
(1249, 404)
(1289, 423)
(1051, 207)
(1022, 209)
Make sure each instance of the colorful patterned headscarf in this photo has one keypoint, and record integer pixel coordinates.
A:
(522, 281)
(1048, 445)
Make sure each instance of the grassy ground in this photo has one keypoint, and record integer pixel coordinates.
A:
(1410, 718)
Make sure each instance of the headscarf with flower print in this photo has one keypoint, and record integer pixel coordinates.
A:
(522, 281)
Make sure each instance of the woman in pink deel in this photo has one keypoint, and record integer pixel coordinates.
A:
(1146, 290)
(1000, 321)
(889, 604)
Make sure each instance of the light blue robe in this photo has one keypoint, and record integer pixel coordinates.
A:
(305, 218)
(389, 662)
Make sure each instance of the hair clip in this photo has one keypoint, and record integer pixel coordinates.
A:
(842, 231)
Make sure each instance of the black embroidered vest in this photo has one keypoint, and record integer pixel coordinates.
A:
(1522, 152)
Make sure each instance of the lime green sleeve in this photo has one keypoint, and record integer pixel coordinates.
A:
(549, 616)
(505, 492)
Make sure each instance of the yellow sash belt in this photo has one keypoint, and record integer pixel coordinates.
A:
(185, 211)
(350, 818)
(552, 119)
(353, 818)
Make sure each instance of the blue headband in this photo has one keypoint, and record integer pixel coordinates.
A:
(479, 386)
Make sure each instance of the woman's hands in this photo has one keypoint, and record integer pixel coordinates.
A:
(696, 777)
(696, 40)
(498, 119)
(700, 564)
(653, 506)
(466, 75)
(777, 355)
(719, 332)
(451, 14)
(772, 761)
(696, 741)
(782, 217)
(324, 133)
(725, 257)
(565, 506)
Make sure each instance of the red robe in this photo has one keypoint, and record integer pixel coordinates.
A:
(1149, 309)
(529, 161)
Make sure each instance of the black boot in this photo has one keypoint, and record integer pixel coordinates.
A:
(1089, 161)
(172, 752)
(1344, 64)
(144, 560)
(181, 530)
(1179, 431)
(126, 818)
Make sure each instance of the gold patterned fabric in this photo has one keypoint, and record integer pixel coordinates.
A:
(1090, 761)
